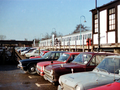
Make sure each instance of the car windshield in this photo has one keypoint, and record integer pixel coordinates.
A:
(41, 54)
(64, 57)
(118, 81)
(82, 58)
(47, 55)
(110, 65)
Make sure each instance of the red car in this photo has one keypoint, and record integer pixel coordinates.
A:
(112, 86)
(67, 57)
(85, 61)
(41, 54)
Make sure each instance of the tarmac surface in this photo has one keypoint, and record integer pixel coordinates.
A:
(12, 78)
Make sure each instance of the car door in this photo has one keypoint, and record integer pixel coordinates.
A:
(94, 62)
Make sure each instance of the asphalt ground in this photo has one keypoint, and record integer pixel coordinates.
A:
(13, 78)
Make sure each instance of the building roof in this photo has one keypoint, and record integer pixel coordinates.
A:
(108, 4)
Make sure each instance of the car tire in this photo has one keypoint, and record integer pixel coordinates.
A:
(32, 69)
(55, 83)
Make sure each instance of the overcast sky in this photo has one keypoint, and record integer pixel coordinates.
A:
(20, 19)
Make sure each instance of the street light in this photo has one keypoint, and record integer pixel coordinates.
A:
(53, 37)
(40, 42)
(80, 30)
(40, 38)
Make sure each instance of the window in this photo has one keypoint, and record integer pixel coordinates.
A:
(55, 55)
(95, 23)
(80, 37)
(111, 19)
(76, 37)
(96, 60)
(89, 36)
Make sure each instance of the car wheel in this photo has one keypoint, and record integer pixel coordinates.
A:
(55, 83)
(32, 69)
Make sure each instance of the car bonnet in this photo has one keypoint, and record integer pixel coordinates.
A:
(65, 65)
(48, 63)
(85, 79)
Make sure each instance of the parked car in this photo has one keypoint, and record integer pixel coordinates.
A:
(85, 61)
(27, 51)
(67, 57)
(105, 73)
(26, 48)
(112, 86)
(32, 53)
(41, 54)
(21, 48)
(29, 65)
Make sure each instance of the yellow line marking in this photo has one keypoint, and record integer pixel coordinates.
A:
(38, 85)
(30, 77)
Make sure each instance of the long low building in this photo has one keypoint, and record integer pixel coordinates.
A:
(71, 42)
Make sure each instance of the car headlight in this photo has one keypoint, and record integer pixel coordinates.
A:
(51, 72)
(37, 66)
(43, 68)
(77, 88)
(20, 63)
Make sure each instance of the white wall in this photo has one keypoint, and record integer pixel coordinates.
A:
(111, 37)
(95, 38)
(118, 23)
(103, 26)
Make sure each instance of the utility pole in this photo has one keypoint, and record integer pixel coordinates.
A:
(98, 15)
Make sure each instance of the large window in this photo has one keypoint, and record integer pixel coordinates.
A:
(95, 23)
(112, 19)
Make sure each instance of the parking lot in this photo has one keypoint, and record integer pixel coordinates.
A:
(12, 78)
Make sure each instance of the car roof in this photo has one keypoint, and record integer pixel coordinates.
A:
(72, 53)
(45, 51)
(99, 53)
(58, 51)
(113, 56)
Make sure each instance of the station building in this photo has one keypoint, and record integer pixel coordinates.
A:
(106, 19)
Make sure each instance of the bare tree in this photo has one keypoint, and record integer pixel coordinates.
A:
(83, 28)
(54, 32)
(2, 37)
(47, 36)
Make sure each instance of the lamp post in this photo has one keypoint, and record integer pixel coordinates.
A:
(40, 41)
(53, 37)
(80, 31)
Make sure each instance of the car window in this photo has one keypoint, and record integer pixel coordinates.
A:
(52, 56)
(63, 57)
(82, 58)
(57, 55)
(111, 65)
(72, 57)
(47, 55)
(37, 51)
(97, 59)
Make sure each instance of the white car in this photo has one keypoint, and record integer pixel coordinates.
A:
(106, 72)
(33, 53)
(27, 51)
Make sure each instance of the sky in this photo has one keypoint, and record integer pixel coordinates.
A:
(30, 19)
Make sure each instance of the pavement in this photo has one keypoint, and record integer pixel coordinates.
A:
(12, 78)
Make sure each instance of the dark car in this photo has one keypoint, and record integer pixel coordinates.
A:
(29, 65)
(85, 61)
